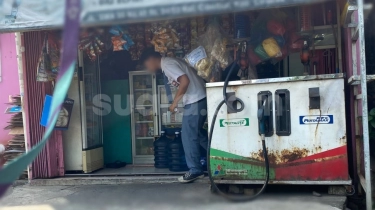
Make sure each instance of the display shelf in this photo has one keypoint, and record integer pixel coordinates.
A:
(144, 138)
(144, 122)
(142, 106)
(172, 123)
(143, 89)
(143, 103)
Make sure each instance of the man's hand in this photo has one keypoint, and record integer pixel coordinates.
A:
(172, 108)
(184, 84)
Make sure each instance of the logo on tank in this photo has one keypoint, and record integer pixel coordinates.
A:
(234, 122)
(316, 119)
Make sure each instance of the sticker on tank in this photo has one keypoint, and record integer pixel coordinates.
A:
(316, 119)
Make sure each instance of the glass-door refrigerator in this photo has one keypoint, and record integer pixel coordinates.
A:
(144, 116)
(83, 141)
(92, 142)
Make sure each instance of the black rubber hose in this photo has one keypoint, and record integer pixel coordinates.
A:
(265, 155)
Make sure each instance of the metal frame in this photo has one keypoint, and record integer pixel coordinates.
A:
(19, 51)
(82, 87)
(358, 76)
(275, 80)
(82, 101)
(366, 143)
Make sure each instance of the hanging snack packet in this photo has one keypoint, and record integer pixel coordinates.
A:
(272, 48)
(120, 40)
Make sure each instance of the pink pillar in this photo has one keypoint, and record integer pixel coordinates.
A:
(9, 84)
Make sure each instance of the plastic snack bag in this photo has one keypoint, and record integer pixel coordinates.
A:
(220, 53)
(165, 37)
(212, 55)
(120, 40)
(272, 48)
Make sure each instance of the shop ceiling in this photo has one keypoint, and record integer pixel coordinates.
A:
(18, 15)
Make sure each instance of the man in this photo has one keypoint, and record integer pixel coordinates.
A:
(192, 92)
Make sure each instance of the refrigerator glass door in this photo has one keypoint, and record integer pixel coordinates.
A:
(168, 119)
(143, 109)
(92, 111)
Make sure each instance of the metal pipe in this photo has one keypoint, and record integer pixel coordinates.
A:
(339, 39)
(366, 143)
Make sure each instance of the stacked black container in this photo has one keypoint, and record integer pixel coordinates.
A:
(176, 154)
(161, 151)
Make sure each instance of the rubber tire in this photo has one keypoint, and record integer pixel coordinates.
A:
(161, 158)
(175, 146)
(176, 150)
(158, 144)
(160, 153)
(176, 159)
(161, 165)
(161, 148)
(176, 162)
(174, 155)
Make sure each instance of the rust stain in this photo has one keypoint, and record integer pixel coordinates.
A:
(272, 158)
(318, 149)
(292, 155)
(278, 157)
(235, 88)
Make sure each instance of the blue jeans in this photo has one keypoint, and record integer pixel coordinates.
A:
(193, 135)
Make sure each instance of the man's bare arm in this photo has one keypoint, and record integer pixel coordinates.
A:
(184, 84)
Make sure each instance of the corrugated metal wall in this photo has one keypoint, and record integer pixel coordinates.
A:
(50, 163)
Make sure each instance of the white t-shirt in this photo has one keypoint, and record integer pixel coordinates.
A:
(173, 68)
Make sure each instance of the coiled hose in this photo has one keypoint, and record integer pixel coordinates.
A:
(214, 187)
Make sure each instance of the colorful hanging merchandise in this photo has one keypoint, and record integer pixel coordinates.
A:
(91, 43)
(212, 56)
(272, 37)
(44, 72)
(54, 46)
(120, 39)
(165, 37)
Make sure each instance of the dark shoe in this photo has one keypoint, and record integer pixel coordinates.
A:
(188, 177)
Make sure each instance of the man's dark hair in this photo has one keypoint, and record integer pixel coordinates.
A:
(149, 53)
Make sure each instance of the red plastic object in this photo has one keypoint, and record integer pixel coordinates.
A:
(295, 42)
(275, 27)
(291, 25)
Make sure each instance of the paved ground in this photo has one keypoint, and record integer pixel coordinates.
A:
(151, 196)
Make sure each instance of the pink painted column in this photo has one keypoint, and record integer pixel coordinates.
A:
(9, 84)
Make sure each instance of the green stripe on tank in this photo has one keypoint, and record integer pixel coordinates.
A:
(235, 167)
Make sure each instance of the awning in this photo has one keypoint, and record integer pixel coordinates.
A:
(18, 15)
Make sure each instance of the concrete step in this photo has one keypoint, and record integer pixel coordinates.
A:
(76, 181)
